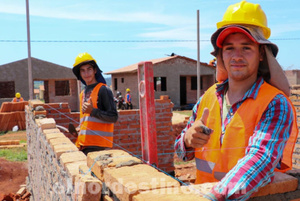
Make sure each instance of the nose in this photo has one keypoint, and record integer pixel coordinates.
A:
(237, 54)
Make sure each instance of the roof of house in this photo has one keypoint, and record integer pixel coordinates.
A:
(40, 70)
(133, 68)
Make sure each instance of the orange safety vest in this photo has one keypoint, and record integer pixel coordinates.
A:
(214, 160)
(93, 131)
(15, 100)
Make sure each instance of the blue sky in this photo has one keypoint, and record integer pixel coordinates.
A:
(140, 23)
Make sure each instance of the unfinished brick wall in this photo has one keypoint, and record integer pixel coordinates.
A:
(127, 134)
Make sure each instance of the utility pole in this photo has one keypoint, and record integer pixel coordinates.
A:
(30, 84)
(198, 58)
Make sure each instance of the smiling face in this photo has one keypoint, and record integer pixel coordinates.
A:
(241, 57)
(87, 72)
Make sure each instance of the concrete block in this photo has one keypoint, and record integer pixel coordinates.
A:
(109, 159)
(87, 188)
(125, 182)
(71, 157)
(63, 148)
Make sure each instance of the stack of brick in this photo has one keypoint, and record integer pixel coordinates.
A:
(12, 114)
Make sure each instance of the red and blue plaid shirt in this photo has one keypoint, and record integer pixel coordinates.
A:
(264, 150)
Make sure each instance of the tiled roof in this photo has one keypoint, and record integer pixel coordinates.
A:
(133, 68)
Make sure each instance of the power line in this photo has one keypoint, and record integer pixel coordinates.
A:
(120, 41)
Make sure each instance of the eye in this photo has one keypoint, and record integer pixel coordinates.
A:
(228, 48)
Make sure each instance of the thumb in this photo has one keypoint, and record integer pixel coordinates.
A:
(205, 115)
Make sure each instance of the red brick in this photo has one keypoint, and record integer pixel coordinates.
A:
(117, 157)
(71, 157)
(62, 148)
(166, 194)
(125, 182)
(73, 169)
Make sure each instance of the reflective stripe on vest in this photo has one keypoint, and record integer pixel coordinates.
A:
(93, 131)
(214, 160)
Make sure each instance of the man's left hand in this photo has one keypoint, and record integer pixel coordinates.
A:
(87, 107)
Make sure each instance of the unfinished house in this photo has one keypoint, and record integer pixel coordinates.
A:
(175, 76)
(58, 83)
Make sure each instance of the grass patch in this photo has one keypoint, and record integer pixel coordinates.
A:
(23, 141)
(14, 154)
(183, 162)
(184, 112)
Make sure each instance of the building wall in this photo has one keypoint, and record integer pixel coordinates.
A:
(41, 70)
(130, 81)
(71, 99)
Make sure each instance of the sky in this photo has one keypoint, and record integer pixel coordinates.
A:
(118, 33)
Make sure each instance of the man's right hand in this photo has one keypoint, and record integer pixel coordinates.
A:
(198, 135)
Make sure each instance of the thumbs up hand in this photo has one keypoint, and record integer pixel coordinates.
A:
(198, 135)
(87, 107)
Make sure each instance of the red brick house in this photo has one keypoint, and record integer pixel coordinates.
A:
(60, 84)
(175, 76)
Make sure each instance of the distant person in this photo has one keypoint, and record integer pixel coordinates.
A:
(128, 99)
(242, 129)
(98, 111)
(17, 98)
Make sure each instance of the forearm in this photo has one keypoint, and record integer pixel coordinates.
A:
(182, 152)
(108, 116)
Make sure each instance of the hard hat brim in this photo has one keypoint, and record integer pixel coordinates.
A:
(253, 32)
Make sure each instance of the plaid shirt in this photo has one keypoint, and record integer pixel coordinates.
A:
(264, 150)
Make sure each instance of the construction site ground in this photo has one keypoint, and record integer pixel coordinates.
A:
(13, 174)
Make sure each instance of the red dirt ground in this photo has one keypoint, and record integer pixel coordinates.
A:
(12, 174)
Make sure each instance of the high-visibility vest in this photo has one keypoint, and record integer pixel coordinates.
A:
(17, 100)
(93, 131)
(215, 160)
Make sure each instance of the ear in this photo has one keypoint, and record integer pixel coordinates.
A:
(262, 53)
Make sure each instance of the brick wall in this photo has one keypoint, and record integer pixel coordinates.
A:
(127, 129)
(58, 171)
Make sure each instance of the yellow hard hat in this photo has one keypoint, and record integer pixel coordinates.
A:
(18, 95)
(127, 90)
(82, 58)
(248, 14)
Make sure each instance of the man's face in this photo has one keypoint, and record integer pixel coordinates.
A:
(241, 57)
(87, 72)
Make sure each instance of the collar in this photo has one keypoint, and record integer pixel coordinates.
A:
(251, 93)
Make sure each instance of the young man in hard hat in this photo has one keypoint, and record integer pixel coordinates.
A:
(242, 129)
(128, 99)
(17, 98)
(97, 108)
